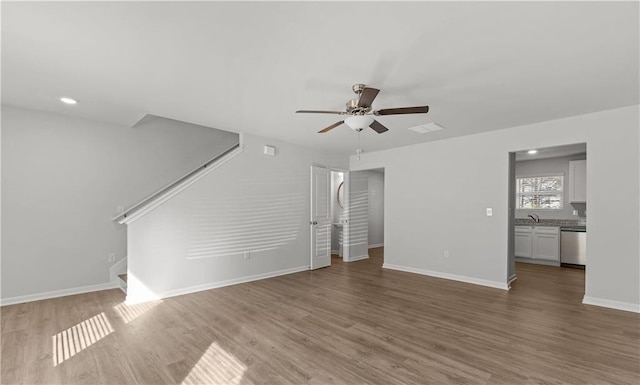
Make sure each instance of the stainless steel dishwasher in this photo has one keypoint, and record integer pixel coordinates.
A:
(573, 246)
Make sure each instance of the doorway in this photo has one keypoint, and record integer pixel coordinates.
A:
(338, 212)
(366, 215)
(547, 199)
(347, 215)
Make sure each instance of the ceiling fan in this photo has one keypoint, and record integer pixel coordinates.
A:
(360, 111)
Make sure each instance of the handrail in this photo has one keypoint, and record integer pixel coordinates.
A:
(173, 188)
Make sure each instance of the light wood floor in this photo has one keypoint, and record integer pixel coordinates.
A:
(348, 324)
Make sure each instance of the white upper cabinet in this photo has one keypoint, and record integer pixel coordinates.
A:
(578, 181)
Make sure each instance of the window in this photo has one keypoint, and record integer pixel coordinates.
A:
(539, 192)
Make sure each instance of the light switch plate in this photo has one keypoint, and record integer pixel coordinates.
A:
(489, 211)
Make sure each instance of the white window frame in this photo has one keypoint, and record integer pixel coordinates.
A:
(561, 192)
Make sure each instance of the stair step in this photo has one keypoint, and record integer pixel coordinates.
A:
(123, 277)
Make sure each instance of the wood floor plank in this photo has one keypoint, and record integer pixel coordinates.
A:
(351, 323)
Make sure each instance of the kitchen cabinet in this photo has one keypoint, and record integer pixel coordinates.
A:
(578, 181)
(537, 242)
(522, 241)
(545, 243)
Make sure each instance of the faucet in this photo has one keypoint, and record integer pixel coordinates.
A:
(535, 217)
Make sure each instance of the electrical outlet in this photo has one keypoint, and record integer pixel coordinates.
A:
(111, 257)
(247, 255)
(446, 253)
(489, 211)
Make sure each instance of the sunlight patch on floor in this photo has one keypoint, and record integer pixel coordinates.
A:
(129, 312)
(216, 366)
(75, 339)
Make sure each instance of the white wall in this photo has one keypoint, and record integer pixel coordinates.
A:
(62, 180)
(252, 203)
(558, 165)
(430, 207)
(376, 208)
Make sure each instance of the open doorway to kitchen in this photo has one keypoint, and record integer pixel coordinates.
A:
(548, 220)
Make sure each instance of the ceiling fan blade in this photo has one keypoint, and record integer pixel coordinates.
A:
(378, 127)
(320, 112)
(403, 110)
(367, 96)
(331, 127)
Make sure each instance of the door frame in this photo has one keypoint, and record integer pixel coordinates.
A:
(384, 222)
(511, 190)
(511, 221)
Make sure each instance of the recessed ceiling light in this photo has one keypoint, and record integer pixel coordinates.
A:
(68, 101)
(429, 127)
(531, 152)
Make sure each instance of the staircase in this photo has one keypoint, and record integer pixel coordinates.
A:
(118, 272)
(123, 282)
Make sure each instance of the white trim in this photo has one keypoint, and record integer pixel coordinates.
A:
(453, 277)
(626, 306)
(59, 293)
(376, 245)
(541, 175)
(229, 282)
(173, 191)
(358, 258)
(535, 261)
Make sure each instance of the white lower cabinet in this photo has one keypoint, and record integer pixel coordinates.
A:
(538, 242)
(523, 239)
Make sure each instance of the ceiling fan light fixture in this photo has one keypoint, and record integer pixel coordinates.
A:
(358, 122)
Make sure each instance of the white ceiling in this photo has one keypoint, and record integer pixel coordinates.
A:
(246, 67)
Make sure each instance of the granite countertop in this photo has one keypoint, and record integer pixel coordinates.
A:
(562, 223)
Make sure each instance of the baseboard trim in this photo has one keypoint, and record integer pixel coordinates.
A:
(538, 261)
(511, 279)
(625, 306)
(453, 277)
(229, 282)
(358, 258)
(58, 293)
(375, 245)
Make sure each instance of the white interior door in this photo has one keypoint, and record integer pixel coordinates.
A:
(320, 217)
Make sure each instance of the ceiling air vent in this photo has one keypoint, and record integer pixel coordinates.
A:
(429, 127)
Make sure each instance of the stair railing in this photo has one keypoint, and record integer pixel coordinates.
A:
(156, 199)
